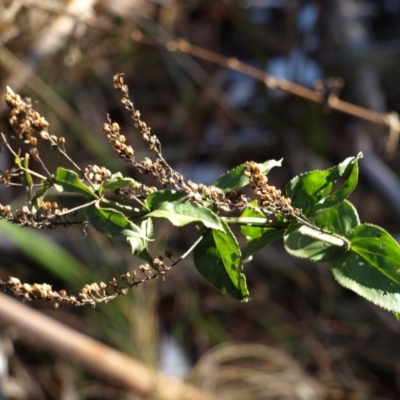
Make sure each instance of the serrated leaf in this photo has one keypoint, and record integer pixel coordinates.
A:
(180, 211)
(355, 274)
(341, 220)
(117, 181)
(112, 223)
(235, 178)
(66, 180)
(316, 191)
(374, 245)
(218, 259)
(372, 268)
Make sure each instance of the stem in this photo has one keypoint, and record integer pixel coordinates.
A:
(121, 206)
(191, 248)
(254, 221)
(327, 237)
(77, 208)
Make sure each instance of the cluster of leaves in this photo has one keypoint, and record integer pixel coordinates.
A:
(314, 217)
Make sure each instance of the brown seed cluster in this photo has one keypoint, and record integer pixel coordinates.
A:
(141, 126)
(36, 291)
(270, 200)
(138, 190)
(224, 201)
(48, 215)
(91, 294)
(163, 173)
(117, 140)
(26, 122)
(7, 176)
(159, 169)
(29, 126)
(97, 174)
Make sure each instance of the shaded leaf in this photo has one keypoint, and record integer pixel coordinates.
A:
(112, 223)
(218, 259)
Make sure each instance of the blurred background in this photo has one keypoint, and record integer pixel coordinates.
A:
(302, 336)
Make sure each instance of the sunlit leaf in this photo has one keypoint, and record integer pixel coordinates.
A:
(66, 180)
(180, 211)
(316, 191)
(379, 249)
(320, 244)
(372, 268)
(117, 181)
(235, 178)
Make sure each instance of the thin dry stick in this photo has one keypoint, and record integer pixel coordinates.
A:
(385, 120)
(105, 361)
(273, 83)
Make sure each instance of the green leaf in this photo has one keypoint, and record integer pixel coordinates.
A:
(317, 191)
(355, 274)
(258, 237)
(251, 231)
(235, 179)
(26, 178)
(66, 180)
(139, 244)
(218, 259)
(320, 244)
(117, 181)
(180, 211)
(112, 223)
(379, 249)
(372, 268)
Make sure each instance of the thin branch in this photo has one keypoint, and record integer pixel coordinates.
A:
(181, 45)
(384, 120)
(5, 141)
(71, 210)
(253, 221)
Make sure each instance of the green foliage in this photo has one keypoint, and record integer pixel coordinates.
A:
(218, 259)
(314, 192)
(180, 211)
(235, 178)
(314, 219)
